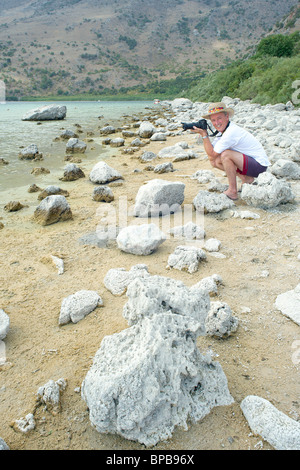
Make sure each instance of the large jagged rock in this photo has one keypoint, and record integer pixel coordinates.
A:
(50, 112)
(150, 378)
(159, 197)
(267, 192)
(151, 295)
(52, 209)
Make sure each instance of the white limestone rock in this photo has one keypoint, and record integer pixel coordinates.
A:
(207, 201)
(164, 168)
(53, 209)
(220, 322)
(3, 445)
(49, 394)
(4, 324)
(150, 378)
(289, 304)
(106, 130)
(153, 295)
(46, 113)
(181, 104)
(212, 244)
(72, 172)
(67, 134)
(52, 190)
(102, 173)
(137, 143)
(177, 152)
(295, 152)
(146, 129)
(118, 279)
(245, 215)
(278, 429)
(147, 156)
(25, 424)
(159, 197)
(117, 142)
(76, 306)
(158, 137)
(186, 258)
(31, 152)
(286, 169)
(140, 239)
(216, 185)
(267, 192)
(204, 176)
(189, 231)
(209, 284)
(74, 145)
(59, 263)
(103, 194)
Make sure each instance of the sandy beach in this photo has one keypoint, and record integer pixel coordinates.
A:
(260, 262)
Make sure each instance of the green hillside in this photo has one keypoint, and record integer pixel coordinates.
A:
(266, 77)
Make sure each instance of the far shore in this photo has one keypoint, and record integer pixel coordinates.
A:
(88, 97)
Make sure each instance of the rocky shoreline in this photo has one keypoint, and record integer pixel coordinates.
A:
(98, 266)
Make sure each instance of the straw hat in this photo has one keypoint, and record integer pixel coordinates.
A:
(219, 107)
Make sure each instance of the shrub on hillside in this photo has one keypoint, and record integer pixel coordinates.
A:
(276, 45)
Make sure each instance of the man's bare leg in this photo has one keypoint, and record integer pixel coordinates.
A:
(231, 160)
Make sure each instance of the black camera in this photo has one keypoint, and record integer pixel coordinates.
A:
(202, 124)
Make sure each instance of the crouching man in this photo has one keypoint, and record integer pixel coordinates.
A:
(234, 150)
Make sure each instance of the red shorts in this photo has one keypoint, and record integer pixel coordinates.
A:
(251, 167)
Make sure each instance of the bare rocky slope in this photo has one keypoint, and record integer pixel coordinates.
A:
(75, 46)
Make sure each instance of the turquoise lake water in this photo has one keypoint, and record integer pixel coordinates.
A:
(15, 134)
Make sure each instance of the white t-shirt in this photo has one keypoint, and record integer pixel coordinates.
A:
(238, 139)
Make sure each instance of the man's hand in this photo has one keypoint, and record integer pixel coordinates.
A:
(198, 130)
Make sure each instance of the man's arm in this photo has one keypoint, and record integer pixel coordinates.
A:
(212, 155)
